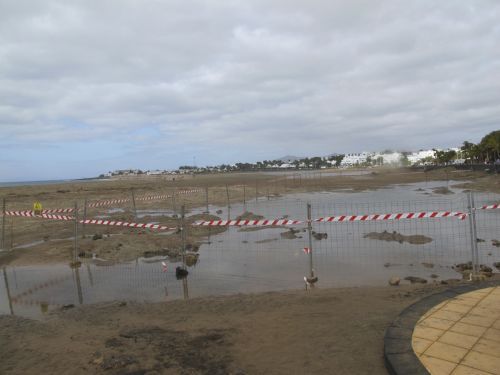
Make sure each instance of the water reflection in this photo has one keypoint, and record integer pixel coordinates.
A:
(33, 291)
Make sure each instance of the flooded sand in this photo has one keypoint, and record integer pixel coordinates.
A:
(263, 260)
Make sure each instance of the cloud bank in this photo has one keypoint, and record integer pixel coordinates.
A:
(90, 86)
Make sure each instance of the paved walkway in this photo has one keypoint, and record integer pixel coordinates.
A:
(461, 335)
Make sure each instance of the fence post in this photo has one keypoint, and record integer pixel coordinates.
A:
(206, 199)
(11, 233)
(6, 281)
(84, 217)
(256, 191)
(75, 244)
(309, 230)
(473, 233)
(173, 202)
(133, 202)
(2, 245)
(183, 237)
(244, 198)
(228, 204)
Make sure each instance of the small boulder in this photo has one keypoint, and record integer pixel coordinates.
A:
(97, 236)
(415, 279)
(394, 281)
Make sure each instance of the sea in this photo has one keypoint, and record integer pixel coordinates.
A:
(44, 182)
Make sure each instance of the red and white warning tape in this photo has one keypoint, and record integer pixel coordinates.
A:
(145, 198)
(43, 215)
(490, 207)
(109, 202)
(58, 210)
(398, 216)
(48, 211)
(237, 223)
(189, 191)
(126, 224)
(153, 197)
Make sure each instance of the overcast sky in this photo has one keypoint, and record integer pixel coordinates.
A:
(91, 86)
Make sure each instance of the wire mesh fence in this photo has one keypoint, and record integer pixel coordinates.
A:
(255, 259)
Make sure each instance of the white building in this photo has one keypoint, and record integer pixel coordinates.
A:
(351, 160)
(415, 157)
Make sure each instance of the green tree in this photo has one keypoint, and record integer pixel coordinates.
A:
(490, 146)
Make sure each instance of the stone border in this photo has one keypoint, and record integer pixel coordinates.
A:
(399, 357)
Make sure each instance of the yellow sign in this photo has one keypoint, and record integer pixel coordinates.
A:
(37, 208)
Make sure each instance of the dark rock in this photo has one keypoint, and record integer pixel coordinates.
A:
(450, 281)
(497, 265)
(289, 234)
(463, 267)
(415, 279)
(320, 236)
(218, 212)
(442, 190)
(428, 265)
(484, 268)
(191, 259)
(113, 343)
(180, 273)
(434, 276)
(480, 240)
(416, 239)
(67, 307)
(97, 236)
(116, 362)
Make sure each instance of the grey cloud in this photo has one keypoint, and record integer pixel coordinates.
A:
(267, 76)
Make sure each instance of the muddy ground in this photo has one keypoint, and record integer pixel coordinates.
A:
(52, 241)
(331, 331)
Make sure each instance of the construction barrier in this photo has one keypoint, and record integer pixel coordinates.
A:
(145, 198)
(490, 207)
(397, 216)
(264, 222)
(42, 216)
(126, 224)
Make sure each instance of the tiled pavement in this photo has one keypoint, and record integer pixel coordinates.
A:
(461, 335)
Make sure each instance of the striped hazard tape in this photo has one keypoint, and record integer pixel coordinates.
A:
(89, 221)
(153, 197)
(397, 216)
(108, 202)
(145, 198)
(238, 223)
(43, 215)
(490, 207)
(126, 224)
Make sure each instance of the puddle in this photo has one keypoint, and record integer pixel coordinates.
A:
(239, 261)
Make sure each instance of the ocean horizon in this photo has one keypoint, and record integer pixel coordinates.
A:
(42, 182)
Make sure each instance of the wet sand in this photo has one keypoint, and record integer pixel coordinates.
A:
(327, 331)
